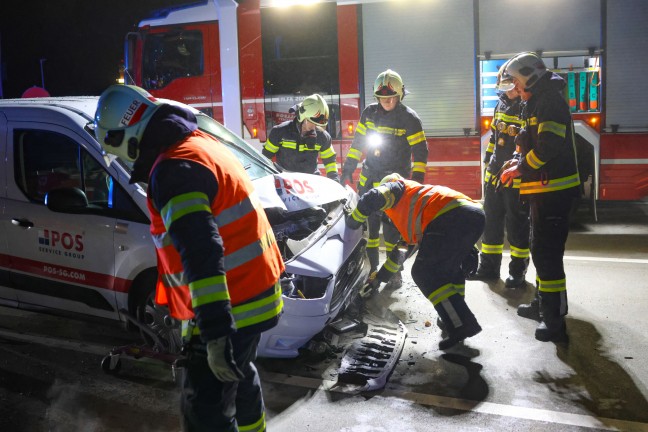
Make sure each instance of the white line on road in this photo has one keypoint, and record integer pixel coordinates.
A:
(534, 414)
(600, 259)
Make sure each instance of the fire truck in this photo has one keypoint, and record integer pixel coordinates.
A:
(448, 53)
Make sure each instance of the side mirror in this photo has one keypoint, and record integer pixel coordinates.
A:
(66, 200)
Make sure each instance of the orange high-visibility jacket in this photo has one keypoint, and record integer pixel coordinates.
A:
(253, 262)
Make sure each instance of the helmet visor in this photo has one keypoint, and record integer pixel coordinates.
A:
(385, 91)
(505, 84)
(320, 120)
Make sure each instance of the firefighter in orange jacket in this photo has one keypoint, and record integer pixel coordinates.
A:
(391, 137)
(445, 225)
(549, 180)
(218, 262)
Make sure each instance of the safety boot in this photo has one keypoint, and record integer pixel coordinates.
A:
(456, 335)
(395, 282)
(467, 323)
(515, 281)
(484, 274)
(530, 310)
(553, 307)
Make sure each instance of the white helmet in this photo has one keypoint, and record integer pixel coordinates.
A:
(391, 178)
(123, 111)
(314, 109)
(389, 84)
(526, 67)
(507, 84)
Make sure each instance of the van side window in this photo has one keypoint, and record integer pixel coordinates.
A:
(46, 160)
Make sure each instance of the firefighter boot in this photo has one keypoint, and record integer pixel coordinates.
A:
(395, 282)
(552, 328)
(464, 324)
(530, 310)
(488, 270)
(517, 272)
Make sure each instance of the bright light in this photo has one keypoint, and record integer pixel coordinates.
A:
(593, 120)
(375, 140)
(486, 123)
(255, 132)
(350, 128)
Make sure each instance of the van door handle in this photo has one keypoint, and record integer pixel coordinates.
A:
(25, 223)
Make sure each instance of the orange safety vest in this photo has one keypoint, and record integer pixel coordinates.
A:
(253, 262)
(420, 204)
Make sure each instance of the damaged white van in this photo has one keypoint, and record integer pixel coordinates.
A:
(86, 248)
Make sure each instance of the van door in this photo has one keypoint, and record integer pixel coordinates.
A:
(60, 261)
(7, 294)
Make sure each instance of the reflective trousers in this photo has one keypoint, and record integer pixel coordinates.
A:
(208, 404)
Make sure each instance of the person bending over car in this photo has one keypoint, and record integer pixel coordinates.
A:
(445, 225)
(218, 262)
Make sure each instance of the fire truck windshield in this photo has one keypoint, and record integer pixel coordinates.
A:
(171, 55)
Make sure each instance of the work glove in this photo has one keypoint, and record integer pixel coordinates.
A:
(418, 177)
(220, 358)
(334, 176)
(352, 223)
(371, 286)
(346, 176)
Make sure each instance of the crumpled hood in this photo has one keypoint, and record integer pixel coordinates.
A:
(294, 191)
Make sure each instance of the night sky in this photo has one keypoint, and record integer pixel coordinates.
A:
(81, 40)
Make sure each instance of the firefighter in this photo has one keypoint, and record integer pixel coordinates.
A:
(445, 225)
(502, 203)
(389, 135)
(547, 167)
(218, 262)
(296, 143)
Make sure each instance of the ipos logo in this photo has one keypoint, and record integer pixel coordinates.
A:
(57, 239)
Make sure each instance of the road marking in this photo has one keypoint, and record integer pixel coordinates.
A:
(518, 412)
(600, 259)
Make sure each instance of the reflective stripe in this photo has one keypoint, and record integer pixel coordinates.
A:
(356, 215)
(238, 210)
(519, 253)
(389, 246)
(441, 294)
(460, 289)
(387, 195)
(361, 129)
(492, 179)
(531, 121)
(386, 130)
(354, 154)
(258, 426)
(391, 266)
(329, 152)
(373, 242)
(362, 179)
(488, 249)
(552, 285)
(490, 148)
(419, 167)
(175, 280)
(533, 160)
(184, 204)
(416, 138)
(271, 147)
(551, 186)
(208, 290)
(331, 167)
(289, 144)
(249, 252)
(457, 203)
(162, 240)
(553, 127)
(251, 313)
(507, 118)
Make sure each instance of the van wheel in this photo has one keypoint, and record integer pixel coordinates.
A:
(163, 332)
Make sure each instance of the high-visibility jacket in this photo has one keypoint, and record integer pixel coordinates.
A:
(297, 153)
(252, 259)
(548, 154)
(391, 141)
(501, 146)
(411, 206)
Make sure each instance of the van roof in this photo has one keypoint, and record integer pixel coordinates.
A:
(84, 106)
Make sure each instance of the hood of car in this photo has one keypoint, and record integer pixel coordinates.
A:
(291, 191)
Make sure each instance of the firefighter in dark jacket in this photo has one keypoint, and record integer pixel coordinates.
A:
(549, 182)
(297, 143)
(444, 224)
(390, 136)
(502, 203)
(218, 262)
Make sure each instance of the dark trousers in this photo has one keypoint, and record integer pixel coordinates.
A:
(503, 208)
(211, 405)
(437, 271)
(549, 230)
(374, 222)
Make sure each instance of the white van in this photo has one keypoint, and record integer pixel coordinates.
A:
(86, 248)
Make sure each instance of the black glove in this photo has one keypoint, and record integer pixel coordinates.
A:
(522, 141)
(418, 177)
(334, 176)
(346, 176)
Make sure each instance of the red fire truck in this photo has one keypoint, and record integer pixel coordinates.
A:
(447, 52)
